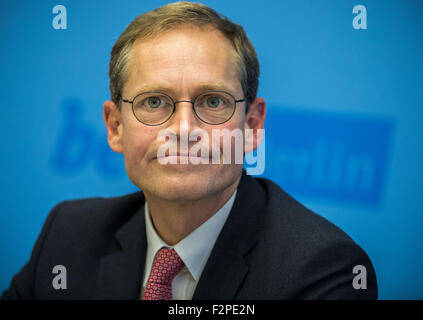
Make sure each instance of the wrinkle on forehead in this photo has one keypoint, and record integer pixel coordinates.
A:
(183, 55)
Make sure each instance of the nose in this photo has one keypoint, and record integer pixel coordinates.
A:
(183, 118)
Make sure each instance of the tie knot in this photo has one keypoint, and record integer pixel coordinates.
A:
(167, 264)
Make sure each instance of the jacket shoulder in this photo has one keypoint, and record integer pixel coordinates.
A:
(318, 258)
(84, 222)
(286, 213)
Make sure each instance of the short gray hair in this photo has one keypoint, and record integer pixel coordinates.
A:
(178, 14)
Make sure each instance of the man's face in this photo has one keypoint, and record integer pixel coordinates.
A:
(180, 63)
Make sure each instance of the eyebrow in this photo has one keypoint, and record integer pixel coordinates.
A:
(213, 86)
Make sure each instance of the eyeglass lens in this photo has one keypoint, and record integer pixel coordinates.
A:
(153, 108)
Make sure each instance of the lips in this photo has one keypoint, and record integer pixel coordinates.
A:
(179, 154)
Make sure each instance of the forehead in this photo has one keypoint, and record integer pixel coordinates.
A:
(183, 59)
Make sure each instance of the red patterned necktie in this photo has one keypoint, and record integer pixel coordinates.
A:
(166, 266)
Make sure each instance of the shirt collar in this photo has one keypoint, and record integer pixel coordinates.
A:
(195, 248)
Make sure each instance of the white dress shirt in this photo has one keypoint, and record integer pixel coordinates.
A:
(194, 250)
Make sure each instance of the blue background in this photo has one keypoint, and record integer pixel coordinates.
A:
(343, 127)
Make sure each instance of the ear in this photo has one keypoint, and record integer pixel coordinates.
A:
(254, 125)
(113, 121)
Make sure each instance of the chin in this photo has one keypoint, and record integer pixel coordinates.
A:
(182, 193)
(185, 186)
(180, 185)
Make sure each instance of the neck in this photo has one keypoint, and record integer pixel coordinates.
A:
(174, 220)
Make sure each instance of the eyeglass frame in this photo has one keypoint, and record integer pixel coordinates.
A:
(190, 101)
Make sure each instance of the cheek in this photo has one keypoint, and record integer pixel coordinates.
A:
(230, 135)
(136, 142)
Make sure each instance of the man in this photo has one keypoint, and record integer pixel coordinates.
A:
(200, 228)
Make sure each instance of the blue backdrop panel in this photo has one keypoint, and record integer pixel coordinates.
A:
(343, 130)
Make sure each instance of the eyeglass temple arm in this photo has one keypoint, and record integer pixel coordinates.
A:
(241, 100)
(124, 100)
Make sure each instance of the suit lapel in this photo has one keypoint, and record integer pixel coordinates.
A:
(120, 273)
(226, 268)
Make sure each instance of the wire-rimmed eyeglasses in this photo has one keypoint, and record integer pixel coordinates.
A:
(211, 107)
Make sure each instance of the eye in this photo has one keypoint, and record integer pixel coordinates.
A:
(213, 102)
(154, 102)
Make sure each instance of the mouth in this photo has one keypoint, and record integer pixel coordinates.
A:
(182, 158)
(180, 155)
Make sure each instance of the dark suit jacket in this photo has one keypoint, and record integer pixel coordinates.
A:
(271, 247)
